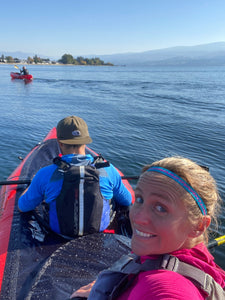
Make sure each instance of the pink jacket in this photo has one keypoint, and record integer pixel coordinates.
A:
(163, 284)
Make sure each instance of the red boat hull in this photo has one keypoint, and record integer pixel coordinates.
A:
(21, 76)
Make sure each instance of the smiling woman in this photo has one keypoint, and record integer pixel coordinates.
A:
(176, 200)
(159, 220)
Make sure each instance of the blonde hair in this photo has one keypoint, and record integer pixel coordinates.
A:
(201, 181)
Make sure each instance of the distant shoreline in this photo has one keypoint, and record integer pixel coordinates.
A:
(57, 64)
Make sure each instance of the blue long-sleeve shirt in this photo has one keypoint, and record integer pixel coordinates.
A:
(42, 188)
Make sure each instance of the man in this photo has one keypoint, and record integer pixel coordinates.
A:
(24, 71)
(70, 186)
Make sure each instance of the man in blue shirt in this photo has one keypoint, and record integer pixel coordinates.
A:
(74, 210)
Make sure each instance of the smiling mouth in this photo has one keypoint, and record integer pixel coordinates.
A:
(143, 234)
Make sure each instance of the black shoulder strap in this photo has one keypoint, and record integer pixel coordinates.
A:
(64, 166)
(130, 264)
(115, 280)
(100, 162)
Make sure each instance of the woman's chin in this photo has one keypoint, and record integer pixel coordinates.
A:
(138, 247)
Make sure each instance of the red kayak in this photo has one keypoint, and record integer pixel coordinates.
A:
(21, 76)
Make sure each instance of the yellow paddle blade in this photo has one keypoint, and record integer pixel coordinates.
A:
(16, 67)
(220, 240)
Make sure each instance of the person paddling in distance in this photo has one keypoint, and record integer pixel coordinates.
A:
(24, 71)
(175, 202)
(76, 188)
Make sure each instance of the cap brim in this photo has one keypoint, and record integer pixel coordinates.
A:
(77, 141)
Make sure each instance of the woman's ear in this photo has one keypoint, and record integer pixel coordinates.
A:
(207, 221)
(201, 227)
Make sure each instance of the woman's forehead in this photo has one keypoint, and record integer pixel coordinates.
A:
(153, 180)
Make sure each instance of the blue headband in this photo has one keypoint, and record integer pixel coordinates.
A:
(184, 184)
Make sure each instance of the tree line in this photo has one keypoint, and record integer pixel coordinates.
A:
(80, 60)
(65, 59)
(69, 59)
(29, 60)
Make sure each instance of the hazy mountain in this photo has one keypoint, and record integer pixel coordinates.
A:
(23, 55)
(206, 54)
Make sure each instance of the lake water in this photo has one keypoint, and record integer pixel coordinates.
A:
(135, 115)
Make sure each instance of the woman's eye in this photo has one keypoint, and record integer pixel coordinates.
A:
(160, 208)
(139, 200)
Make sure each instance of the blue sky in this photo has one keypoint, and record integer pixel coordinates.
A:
(96, 27)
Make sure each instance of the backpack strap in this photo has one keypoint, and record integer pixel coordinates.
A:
(115, 280)
(100, 162)
(134, 265)
(121, 275)
(201, 279)
(61, 164)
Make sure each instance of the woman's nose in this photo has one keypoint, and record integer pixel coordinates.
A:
(139, 216)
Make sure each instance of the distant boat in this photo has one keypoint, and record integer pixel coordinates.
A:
(15, 75)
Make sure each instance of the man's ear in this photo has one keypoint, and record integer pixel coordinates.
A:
(201, 227)
(60, 145)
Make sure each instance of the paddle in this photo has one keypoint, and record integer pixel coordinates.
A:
(217, 242)
(11, 182)
(28, 181)
(15, 66)
(130, 177)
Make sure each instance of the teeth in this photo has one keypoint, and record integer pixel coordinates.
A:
(144, 234)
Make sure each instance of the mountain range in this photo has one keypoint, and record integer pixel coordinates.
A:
(204, 54)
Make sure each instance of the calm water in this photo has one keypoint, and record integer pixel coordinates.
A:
(135, 115)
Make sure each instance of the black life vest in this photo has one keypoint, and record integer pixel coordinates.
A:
(80, 202)
(114, 281)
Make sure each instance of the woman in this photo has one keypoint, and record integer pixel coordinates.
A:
(176, 200)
